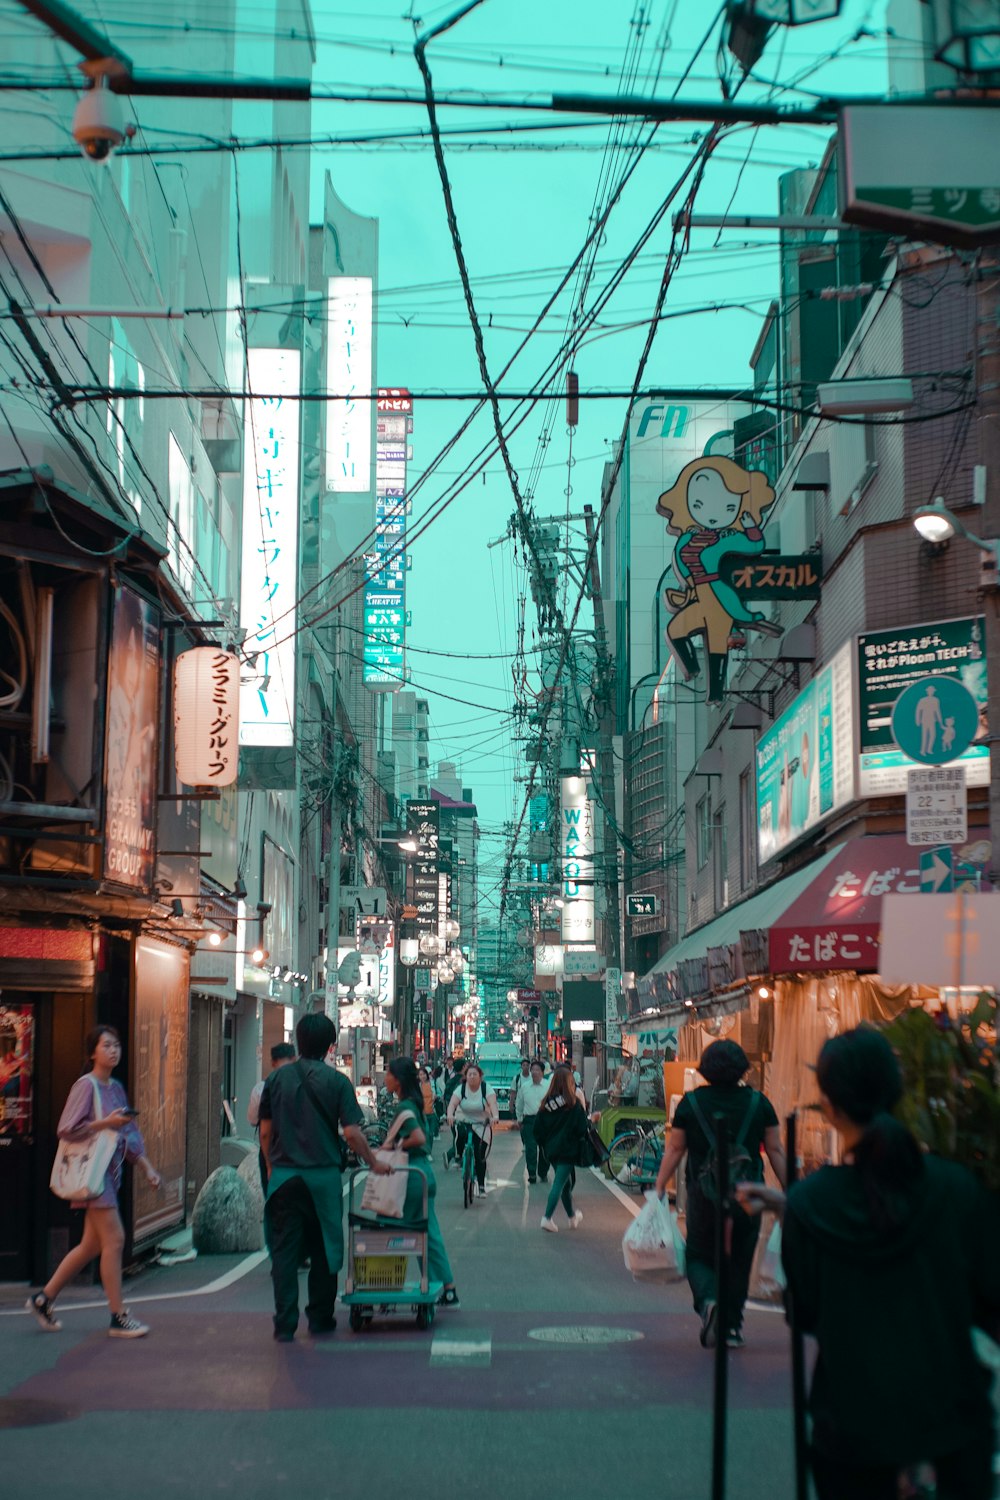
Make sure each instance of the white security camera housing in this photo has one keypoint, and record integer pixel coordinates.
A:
(98, 123)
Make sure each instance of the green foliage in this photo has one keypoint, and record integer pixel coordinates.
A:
(951, 1098)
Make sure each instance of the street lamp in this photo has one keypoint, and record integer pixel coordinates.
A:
(937, 525)
(409, 951)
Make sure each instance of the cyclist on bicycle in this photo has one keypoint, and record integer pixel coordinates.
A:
(473, 1110)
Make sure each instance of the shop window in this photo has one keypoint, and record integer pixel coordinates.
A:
(702, 831)
(720, 858)
(748, 834)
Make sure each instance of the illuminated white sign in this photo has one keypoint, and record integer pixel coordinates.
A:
(577, 855)
(349, 378)
(206, 716)
(270, 548)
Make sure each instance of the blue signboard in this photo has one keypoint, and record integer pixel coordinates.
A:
(935, 720)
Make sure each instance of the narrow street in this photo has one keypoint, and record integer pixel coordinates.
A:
(559, 1375)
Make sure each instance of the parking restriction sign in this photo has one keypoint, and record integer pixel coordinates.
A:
(936, 806)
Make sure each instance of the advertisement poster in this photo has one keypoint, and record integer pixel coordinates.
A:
(805, 761)
(133, 702)
(17, 1041)
(159, 1090)
(890, 661)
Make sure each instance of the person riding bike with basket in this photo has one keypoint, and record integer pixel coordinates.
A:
(472, 1110)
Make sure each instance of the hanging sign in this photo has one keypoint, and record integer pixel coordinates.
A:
(206, 716)
(773, 576)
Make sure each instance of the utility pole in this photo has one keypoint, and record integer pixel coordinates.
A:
(605, 771)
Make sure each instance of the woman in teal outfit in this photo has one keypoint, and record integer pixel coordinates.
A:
(402, 1080)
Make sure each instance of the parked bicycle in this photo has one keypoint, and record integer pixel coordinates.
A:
(634, 1155)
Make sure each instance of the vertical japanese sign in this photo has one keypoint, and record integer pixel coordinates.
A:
(385, 592)
(349, 381)
(889, 662)
(130, 761)
(423, 823)
(805, 761)
(270, 547)
(577, 855)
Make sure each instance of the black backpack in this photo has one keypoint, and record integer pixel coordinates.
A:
(742, 1166)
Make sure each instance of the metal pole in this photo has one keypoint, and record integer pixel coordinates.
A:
(798, 1344)
(723, 1248)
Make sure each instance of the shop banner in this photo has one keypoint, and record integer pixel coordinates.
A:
(889, 662)
(131, 757)
(159, 1082)
(17, 1046)
(805, 761)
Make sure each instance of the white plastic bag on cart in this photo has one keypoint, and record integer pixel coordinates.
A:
(652, 1243)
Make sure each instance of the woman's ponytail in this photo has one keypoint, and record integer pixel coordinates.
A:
(891, 1167)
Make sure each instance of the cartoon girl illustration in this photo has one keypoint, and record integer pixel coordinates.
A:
(714, 508)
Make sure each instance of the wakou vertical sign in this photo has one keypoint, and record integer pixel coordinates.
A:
(130, 761)
(577, 854)
(270, 547)
(349, 384)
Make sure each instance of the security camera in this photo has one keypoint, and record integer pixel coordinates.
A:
(98, 124)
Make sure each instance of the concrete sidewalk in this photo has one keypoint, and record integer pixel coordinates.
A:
(558, 1375)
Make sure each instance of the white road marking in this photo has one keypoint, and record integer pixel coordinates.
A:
(613, 1187)
(235, 1273)
(470, 1348)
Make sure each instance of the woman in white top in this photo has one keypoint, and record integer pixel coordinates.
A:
(473, 1107)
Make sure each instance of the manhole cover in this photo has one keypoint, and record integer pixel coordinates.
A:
(585, 1335)
(22, 1412)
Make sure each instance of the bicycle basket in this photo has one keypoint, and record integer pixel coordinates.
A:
(379, 1273)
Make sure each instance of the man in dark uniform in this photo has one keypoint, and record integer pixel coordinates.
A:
(303, 1110)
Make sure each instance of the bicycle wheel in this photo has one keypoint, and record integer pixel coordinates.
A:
(624, 1157)
(468, 1182)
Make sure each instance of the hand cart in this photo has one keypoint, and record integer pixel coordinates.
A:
(387, 1262)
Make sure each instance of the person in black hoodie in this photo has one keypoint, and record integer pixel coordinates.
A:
(560, 1127)
(891, 1261)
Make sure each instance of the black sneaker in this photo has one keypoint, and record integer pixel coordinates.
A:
(449, 1298)
(709, 1326)
(482, 1190)
(124, 1326)
(532, 1179)
(734, 1338)
(283, 1338)
(323, 1325)
(41, 1306)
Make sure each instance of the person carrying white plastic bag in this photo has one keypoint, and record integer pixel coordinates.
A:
(653, 1243)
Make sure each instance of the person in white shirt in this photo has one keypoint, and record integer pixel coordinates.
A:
(473, 1108)
(530, 1093)
(281, 1053)
(519, 1078)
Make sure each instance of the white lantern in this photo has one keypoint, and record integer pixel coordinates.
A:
(409, 951)
(445, 974)
(451, 928)
(456, 961)
(431, 944)
(206, 716)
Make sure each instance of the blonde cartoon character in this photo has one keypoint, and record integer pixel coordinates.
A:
(714, 508)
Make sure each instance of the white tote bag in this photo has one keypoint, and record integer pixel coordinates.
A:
(386, 1195)
(80, 1167)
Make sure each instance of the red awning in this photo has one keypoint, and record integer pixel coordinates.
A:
(835, 922)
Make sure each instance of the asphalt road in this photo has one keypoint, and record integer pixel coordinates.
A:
(558, 1376)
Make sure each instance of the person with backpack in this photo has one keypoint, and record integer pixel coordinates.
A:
(753, 1126)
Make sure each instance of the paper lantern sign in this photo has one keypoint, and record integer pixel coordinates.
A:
(206, 716)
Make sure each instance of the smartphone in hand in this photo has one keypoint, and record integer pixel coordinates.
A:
(130, 1112)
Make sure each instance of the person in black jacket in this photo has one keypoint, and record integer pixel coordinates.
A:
(891, 1259)
(560, 1129)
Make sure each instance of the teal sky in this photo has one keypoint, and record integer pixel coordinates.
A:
(523, 215)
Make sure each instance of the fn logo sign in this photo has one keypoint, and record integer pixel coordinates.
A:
(642, 906)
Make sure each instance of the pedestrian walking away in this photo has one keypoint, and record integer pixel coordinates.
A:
(530, 1094)
(891, 1261)
(431, 1123)
(473, 1111)
(753, 1126)
(560, 1129)
(402, 1081)
(282, 1053)
(97, 1102)
(303, 1109)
